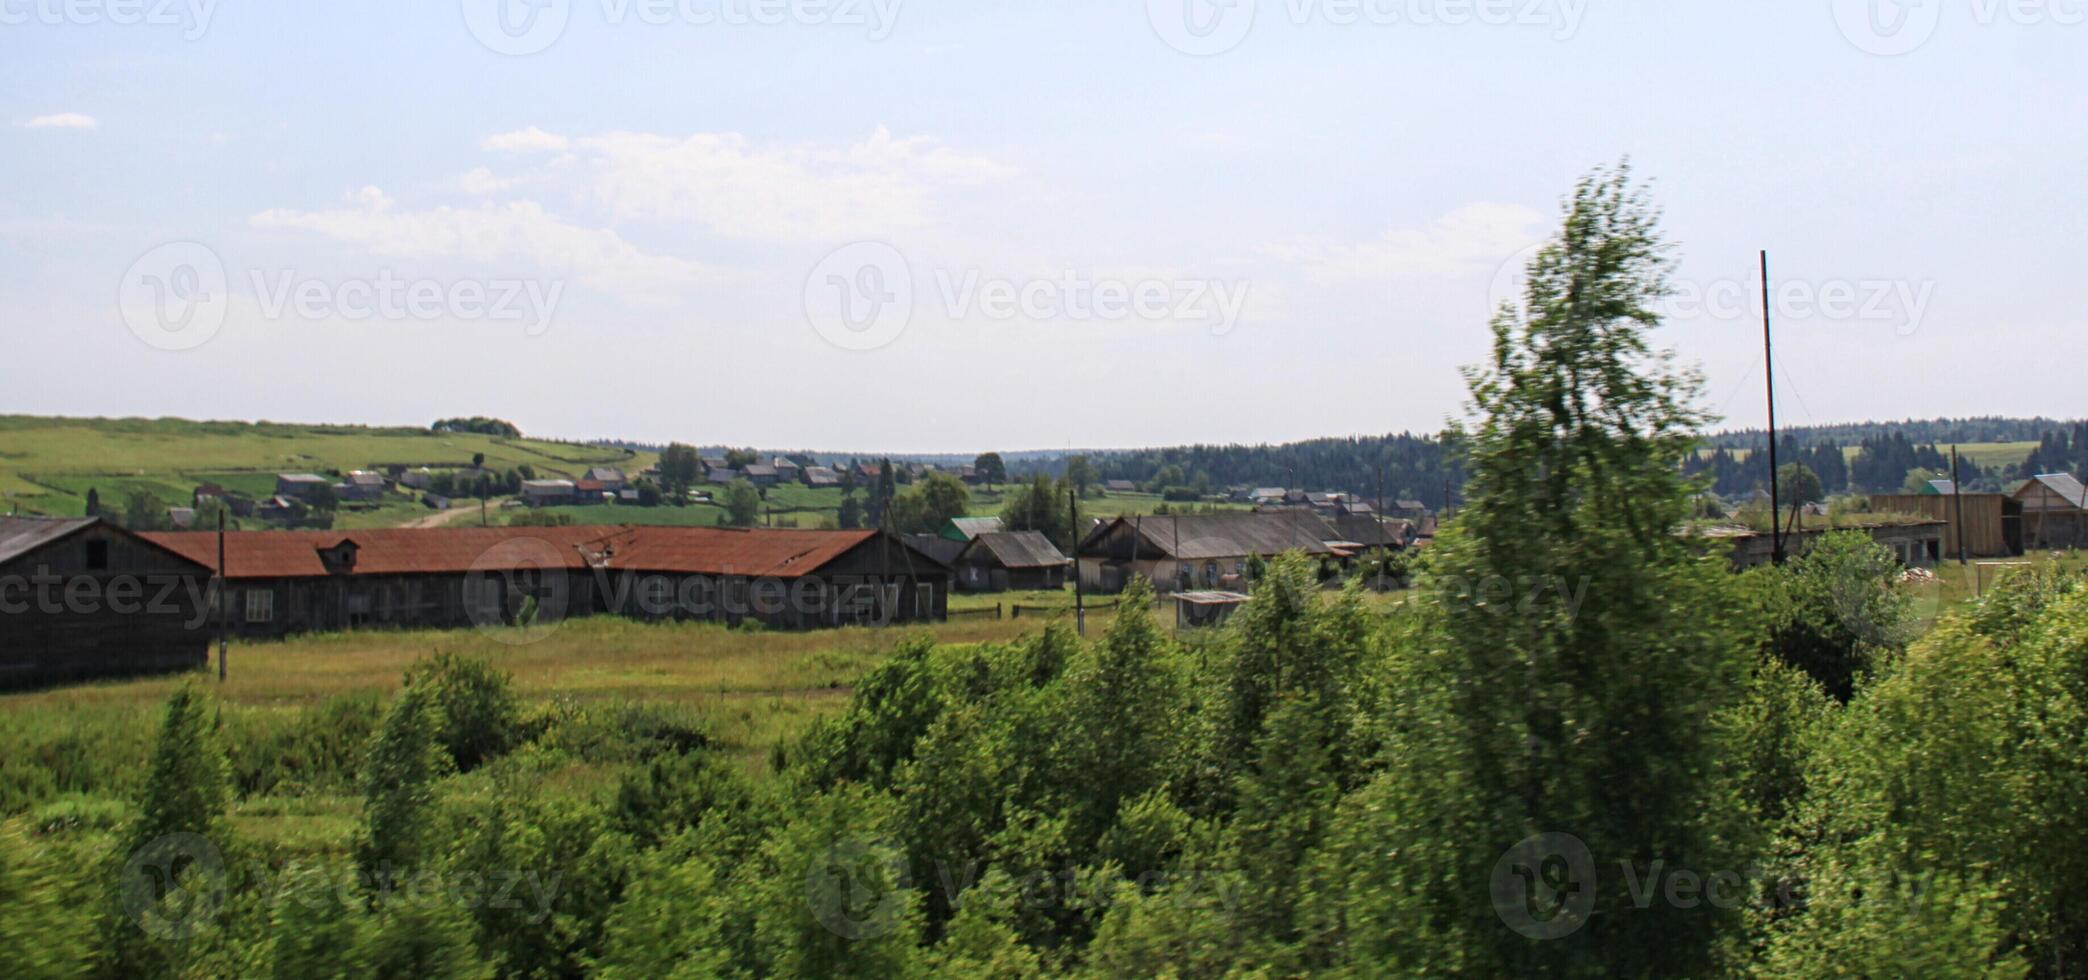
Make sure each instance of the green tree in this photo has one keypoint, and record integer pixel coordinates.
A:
(1040, 506)
(990, 468)
(742, 504)
(186, 788)
(93, 508)
(142, 512)
(398, 835)
(680, 468)
(1588, 649)
(1832, 611)
(1799, 485)
(475, 703)
(1080, 472)
(929, 504)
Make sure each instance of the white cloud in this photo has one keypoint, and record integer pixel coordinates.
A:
(481, 181)
(524, 141)
(1471, 239)
(517, 231)
(881, 186)
(62, 120)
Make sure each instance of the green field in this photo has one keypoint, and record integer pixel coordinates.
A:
(48, 464)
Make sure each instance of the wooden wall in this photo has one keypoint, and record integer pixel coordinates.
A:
(1985, 523)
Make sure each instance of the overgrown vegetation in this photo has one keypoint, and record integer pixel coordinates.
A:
(1579, 748)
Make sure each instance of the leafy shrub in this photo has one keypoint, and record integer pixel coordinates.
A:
(478, 714)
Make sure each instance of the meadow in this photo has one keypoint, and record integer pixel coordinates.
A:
(48, 464)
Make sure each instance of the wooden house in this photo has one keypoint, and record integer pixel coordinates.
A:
(85, 598)
(1193, 551)
(2055, 511)
(1003, 560)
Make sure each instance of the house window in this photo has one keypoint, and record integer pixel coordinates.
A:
(97, 556)
(260, 605)
(1211, 572)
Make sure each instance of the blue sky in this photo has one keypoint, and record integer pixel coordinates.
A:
(916, 225)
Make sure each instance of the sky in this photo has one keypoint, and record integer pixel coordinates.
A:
(940, 226)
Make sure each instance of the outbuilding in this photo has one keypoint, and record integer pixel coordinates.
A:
(84, 598)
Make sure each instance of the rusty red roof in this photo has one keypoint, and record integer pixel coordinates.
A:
(779, 553)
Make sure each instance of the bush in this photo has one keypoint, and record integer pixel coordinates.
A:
(475, 705)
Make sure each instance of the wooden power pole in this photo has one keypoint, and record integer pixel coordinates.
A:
(1775, 478)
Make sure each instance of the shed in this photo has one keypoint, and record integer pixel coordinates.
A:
(1002, 560)
(1199, 610)
(2055, 511)
(967, 528)
(84, 598)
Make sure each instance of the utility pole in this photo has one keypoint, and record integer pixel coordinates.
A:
(1957, 504)
(219, 592)
(1079, 590)
(1769, 358)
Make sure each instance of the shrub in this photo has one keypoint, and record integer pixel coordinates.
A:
(475, 706)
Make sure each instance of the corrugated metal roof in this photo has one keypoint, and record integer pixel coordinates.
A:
(21, 535)
(777, 553)
(1231, 535)
(972, 527)
(1020, 549)
(2064, 485)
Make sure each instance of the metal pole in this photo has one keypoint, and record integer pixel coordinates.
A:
(1957, 500)
(1769, 358)
(1079, 589)
(219, 592)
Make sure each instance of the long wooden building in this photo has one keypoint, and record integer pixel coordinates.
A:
(83, 598)
(284, 582)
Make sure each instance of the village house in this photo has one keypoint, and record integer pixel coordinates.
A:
(549, 493)
(1119, 486)
(1001, 560)
(300, 485)
(610, 478)
(1916, 543)
(82, 597)
(1198, 551)
(2055, 511)
(361, 485)
(760, 474)
(418, 478)
(821, 476)
(284, 582)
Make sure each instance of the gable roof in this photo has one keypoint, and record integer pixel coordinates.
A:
(937, 547)
(755, 553)
(1016, 549)
(1227, 534)
(1368, 531)
(2062, 484)
(21, 535)
(972, 527)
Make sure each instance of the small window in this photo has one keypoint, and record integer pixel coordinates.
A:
(260, 605)
(97, 556)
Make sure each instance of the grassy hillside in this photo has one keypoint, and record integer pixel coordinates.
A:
(48, 464)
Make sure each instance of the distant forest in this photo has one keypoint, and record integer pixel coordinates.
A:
(1426, 468)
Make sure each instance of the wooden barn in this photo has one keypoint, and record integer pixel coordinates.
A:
(2055, 511)
(84, 598)
(1992, 523)
(1003, 560)
(1197, 551)
(284, 582)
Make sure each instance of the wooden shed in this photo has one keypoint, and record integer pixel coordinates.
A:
(2055, 511)
(1992, 522)
(1003, 560)
(85, 598)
